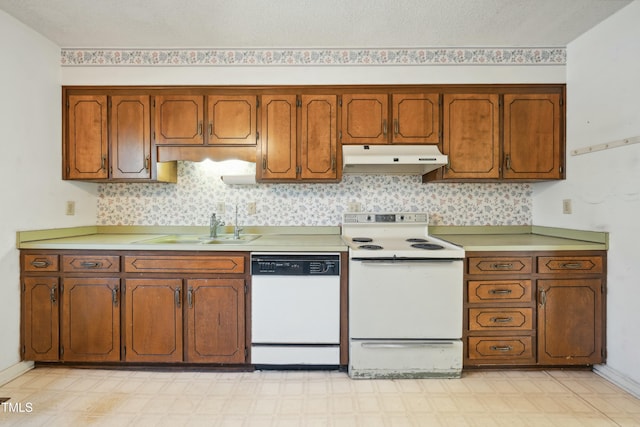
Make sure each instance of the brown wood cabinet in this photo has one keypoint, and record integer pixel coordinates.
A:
(497, 135)
(107, 137)
(86, 155)
(136, 307)
(179, 119)
(299, 138)
(534, 308)
(414, 119)
(90, 319)
(215, 317)
(153, 320)
(40, 321)
(471, 136)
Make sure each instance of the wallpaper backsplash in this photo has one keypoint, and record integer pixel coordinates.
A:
(200, 190)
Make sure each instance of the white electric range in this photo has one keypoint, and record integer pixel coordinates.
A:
(405, 298)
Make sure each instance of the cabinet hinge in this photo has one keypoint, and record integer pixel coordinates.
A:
(24, 349)
(153, 103)
(561, 101)
(257, 102)
(24, 287)
(68, 170)
(257, 136)
(602, 288)
(124, 351)
(246, 288)
(246, 353)
(340, 101)
(298, 102)
(68, 103)
(340, 135)
(61, 351)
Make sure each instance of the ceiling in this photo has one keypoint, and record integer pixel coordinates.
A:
(218, 24)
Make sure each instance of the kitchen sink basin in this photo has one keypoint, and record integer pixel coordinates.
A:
(227, 239)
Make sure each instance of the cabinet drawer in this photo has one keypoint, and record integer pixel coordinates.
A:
(184, 264)
(482, 319)
(499, 265)
(499, 291)
(93, 263)
(520, 349)
(570, 264)
(35, 262)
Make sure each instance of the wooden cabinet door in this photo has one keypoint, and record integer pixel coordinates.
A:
(179, 119)
(279, 137)
(318, 139)
(232, 119)
(532, 146)
(471, 136)
(86, 154)
(365, 118)
(130, 137)
(40, 317)
(416, 118)
(215, 321)
(153, 320)
(570, 330)
(90, 320)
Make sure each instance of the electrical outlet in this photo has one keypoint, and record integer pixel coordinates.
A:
(71, 208)
(251, 208)
(221, 207)
(353, 207)
(566, 206)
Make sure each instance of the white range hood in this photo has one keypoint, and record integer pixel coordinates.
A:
(391, 159)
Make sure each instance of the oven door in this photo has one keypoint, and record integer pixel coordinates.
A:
(405, 299)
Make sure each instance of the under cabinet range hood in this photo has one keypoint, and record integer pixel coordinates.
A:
(391, 159)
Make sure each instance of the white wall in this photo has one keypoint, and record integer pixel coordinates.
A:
(33, 194)
(603, 91)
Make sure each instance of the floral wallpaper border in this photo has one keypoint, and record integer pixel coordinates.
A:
(316, 57)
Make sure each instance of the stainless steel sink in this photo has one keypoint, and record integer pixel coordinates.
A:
(227, 239)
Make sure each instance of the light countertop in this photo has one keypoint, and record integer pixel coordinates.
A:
(298, 239)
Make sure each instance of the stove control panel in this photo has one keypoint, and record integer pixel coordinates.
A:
(385, 218)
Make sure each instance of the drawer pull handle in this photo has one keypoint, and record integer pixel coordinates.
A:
(575, 265)
(90, 264)
(500, 291)
(505, 266)
(502, 319)
(499, 348)
(190, 297)
(40, 264)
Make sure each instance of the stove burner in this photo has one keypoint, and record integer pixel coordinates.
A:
(362, 239)
(370, 247)
(417, 240)
(430, 246)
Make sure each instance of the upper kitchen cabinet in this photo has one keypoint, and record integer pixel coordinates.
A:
(533, 130)
(179, 119)
(107, 137)
(471, 136)
(492, 135)
(86, 154)
(298, 138)
(229, 120)
(397, 118)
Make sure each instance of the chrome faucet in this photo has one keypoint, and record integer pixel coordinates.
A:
(236, 228)
(214, 223)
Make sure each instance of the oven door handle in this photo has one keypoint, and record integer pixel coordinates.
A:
(396, 261)
(410, 344)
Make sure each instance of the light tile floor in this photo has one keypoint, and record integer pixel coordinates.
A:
(78, 397)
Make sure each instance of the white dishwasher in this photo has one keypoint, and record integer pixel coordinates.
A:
(295, 309)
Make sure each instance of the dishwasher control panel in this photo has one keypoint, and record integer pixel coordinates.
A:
(295, 265)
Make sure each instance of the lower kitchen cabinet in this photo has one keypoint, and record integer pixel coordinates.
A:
(534, 308)
(215, 321)
(40, 319)
(90, 319)
(153, 320)
(147, 307)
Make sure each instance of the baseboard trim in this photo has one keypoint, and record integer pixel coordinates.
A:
(13, 372)
(618, 379)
